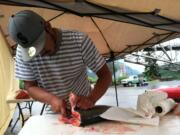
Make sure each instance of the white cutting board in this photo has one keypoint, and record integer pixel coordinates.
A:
(49, 125)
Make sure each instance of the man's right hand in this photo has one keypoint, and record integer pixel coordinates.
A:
(82, 102)
(58, 105)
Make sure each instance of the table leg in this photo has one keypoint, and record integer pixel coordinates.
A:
(21, 113)
(42, 110)
(30, 107)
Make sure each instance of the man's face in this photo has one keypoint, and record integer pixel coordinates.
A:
(50, 47)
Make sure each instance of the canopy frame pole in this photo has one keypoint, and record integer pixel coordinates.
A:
(96, 25)
(55, 17)
(111, 57)
(114, 74)
(129, 49)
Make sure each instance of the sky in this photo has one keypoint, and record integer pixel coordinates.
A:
(137, 67)
(174, 55)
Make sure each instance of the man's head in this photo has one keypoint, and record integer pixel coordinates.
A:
(28, 29)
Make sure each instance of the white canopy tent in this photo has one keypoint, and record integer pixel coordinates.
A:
(118, 27)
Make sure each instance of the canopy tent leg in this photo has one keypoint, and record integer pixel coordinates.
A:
(114, 75)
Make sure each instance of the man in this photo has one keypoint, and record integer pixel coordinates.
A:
(53, 62)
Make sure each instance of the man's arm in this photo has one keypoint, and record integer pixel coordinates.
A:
(103, 82)
(37, 93)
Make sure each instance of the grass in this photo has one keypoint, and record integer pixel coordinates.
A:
(170, 74)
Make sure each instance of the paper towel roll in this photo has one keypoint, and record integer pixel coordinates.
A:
(156, 97)
(144, 106)
(148, 100)
(164, 107)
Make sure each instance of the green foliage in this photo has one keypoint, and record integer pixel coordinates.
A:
(92, 80)
(155, 72)
(167, 74)
(152, 72)
(21, 84)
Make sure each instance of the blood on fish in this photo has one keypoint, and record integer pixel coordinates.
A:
(76, 115)
(75, 122)
(63, 119)
(74, 119)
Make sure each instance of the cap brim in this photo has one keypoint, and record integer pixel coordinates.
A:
(38, 45)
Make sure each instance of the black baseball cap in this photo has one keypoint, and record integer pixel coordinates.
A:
(27, 29)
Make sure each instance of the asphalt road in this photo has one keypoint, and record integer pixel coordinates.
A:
(127, 96)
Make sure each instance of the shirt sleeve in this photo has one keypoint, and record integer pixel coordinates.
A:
(91, 57)
(23, 70)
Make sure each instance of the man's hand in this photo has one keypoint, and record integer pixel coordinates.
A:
(58, 105)
(85, 102)
(82, 102)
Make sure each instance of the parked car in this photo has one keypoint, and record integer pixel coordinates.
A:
(134, 80)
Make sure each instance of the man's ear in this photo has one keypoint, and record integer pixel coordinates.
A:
(48, 27)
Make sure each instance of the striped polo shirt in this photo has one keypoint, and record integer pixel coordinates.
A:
(66, 70)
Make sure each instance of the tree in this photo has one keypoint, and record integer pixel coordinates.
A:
(152, 70)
